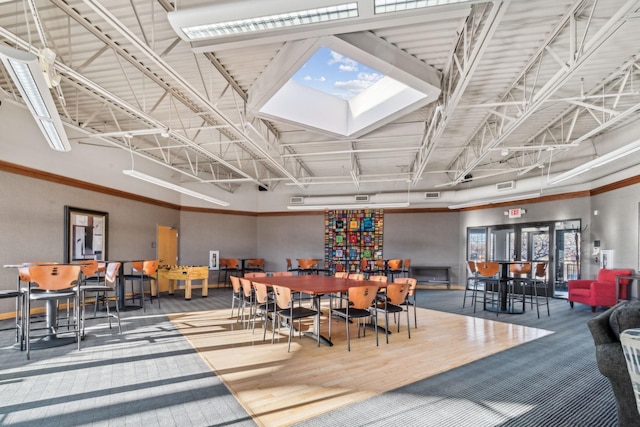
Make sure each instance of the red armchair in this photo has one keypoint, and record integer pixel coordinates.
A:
(600, 292)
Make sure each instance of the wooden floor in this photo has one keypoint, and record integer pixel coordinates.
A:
(279, 388)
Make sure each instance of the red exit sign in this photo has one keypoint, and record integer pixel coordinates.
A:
(515, 213)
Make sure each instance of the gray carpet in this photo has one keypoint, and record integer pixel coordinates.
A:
(151, 376)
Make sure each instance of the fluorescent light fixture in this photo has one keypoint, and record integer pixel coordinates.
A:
(354, 206)
(173, 187)
(269, 22)
(494, 201)
(24, 69)
(599, 161)
(386, 6)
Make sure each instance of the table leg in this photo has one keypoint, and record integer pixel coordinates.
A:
(315, 334)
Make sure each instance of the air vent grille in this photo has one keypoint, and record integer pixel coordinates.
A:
(296, 200)
(362, 198)
(432, 195)
(508, 185)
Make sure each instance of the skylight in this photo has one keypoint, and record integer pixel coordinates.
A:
(268, 22)
(386, 6)
(340, 86)
(335, 74)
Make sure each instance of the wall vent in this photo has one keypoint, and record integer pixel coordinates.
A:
(432, 195)
(296, 200)
(508, 185)
(362, 198)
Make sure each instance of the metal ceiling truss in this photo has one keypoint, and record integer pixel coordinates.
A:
(474, 37)
(193, 154)
(529, 95)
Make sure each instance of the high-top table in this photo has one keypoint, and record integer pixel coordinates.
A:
(317, 286)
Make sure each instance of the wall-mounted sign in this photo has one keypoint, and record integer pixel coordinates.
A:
(516, 212)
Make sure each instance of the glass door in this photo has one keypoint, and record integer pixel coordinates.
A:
(567, 263)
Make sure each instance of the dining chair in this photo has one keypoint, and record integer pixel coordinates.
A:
(488, 274)
(255, 264)
(247, 300)
(143, 272)
(287, 310)
(51, 283)
(406, 267)
(356, 276)
(341, 274)
(392, 301)
(380, 267)
(101, 292)
(378, 278)
(360, 306)
(90, 275)
(264, 305)
(519, 275)
(538, 288)
(411, 295)
(473, 285)
(394, 268)
(236, 294)
(305, 266)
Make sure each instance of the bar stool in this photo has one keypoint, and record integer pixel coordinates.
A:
(519, 276)
(473, 285)
(538, 288)
(488, 275)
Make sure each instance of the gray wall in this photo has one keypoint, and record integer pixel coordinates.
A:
(32, 222)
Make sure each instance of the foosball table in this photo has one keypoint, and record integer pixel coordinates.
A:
(186, 273)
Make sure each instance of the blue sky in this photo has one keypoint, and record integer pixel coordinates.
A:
(336, 74)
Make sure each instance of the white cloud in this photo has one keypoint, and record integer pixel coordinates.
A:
(362, 83)
(322, 79)
(307, 78)
(344, 63)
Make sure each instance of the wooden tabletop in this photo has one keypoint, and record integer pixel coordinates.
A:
(315, 285)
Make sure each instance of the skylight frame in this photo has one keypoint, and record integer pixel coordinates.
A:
(391, 6)
(409, 83)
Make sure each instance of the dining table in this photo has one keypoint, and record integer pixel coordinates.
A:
(122, 278)
(317, 286)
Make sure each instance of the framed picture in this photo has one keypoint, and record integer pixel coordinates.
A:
(214, 260)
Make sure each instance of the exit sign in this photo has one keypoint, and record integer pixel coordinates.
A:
(515, 213)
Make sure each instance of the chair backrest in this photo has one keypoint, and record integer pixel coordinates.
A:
(488, 269)
(283, 296)
(471, 268)
(406, 264)
(362, 297)
(395, 264)
(289, 264)
(255, 274)
(379, 278)
(256, 262)
(262, 292)
(356, 276)
(411, 281)
(89, 267)
(282, 273)
(520, 268)
(397, 292)
(233, 263)
(341, 274)
(541, 270)
(137, 266)
(380, 264)
(235, 284)
(246, 286)
(54, 277)
(150, 267)
(306, 263)
(111, 273)
(364, 264)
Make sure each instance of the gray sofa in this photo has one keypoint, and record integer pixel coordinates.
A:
(606, 329)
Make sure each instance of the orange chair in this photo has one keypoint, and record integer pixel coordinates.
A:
(228, 266)
(255, 264)
(394, 268)
(51, 283)
(305, 265)
(488, 275)
(392, 301)
(142, 272)
(519, 275)
(411, 295)
(287, 310)
(360, 306)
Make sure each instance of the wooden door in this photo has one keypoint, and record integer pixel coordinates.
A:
(167, 251)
